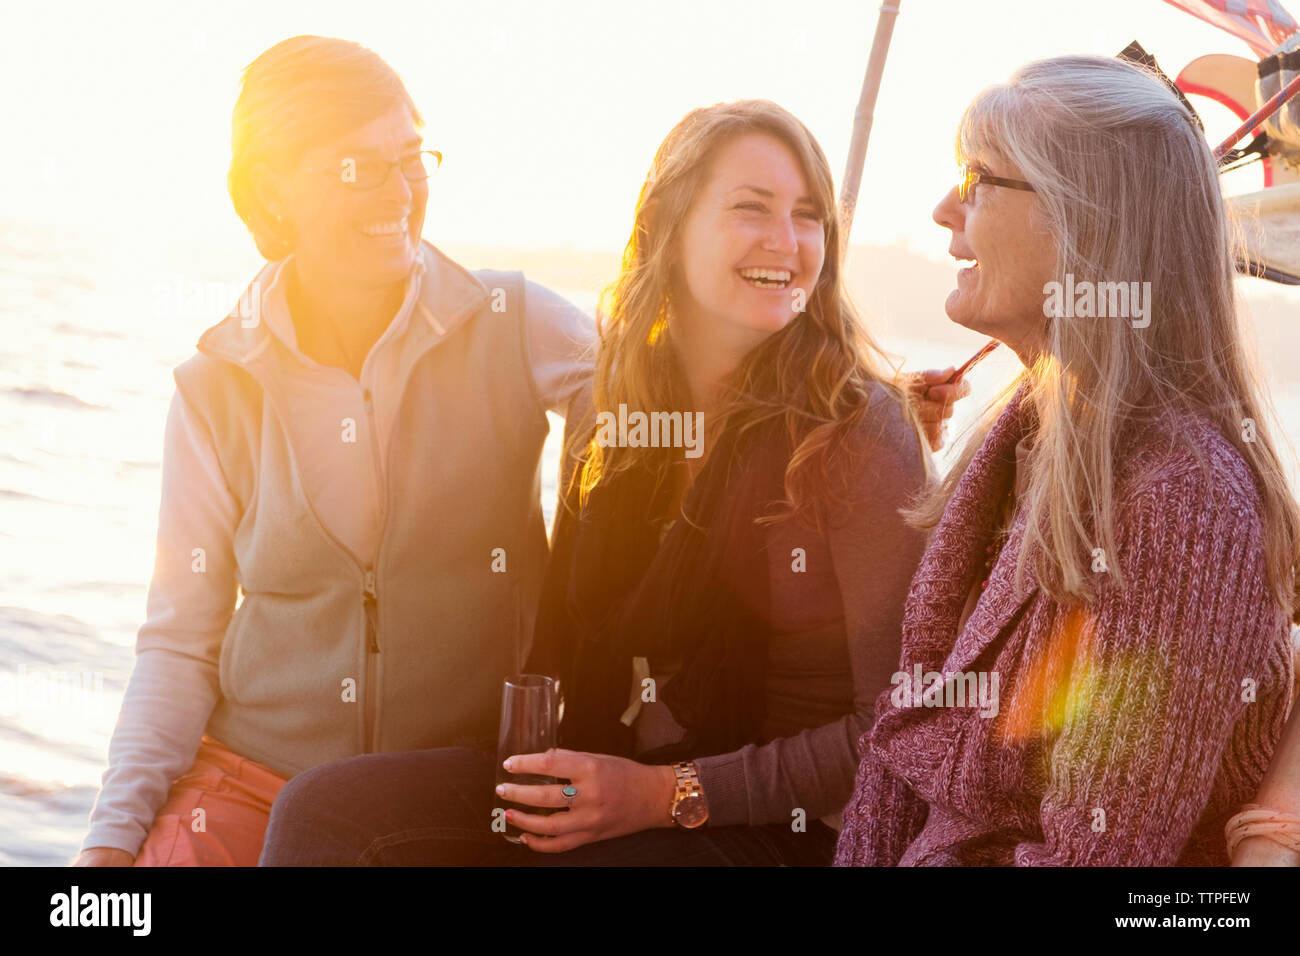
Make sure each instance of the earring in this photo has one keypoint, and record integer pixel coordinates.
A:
(284, 242)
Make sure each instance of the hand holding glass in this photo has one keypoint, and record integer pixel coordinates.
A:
(529, 724)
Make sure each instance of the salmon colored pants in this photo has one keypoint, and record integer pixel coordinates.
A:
(235, 796)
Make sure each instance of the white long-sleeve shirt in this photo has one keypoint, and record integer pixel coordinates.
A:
(173, 688)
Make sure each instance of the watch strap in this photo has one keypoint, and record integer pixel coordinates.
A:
(688, 785)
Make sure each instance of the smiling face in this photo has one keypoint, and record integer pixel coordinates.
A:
(753, 238)
(365, 236)
(1012, 255)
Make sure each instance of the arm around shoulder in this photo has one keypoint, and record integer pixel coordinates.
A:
(560, 346)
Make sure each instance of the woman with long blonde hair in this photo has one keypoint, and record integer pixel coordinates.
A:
(725, 590)
(1115, 551)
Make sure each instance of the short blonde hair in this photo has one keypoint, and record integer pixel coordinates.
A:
(299, 94)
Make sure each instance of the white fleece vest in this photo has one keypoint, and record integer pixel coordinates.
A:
(325, 658)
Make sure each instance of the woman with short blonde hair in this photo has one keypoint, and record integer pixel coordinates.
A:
(342, 455)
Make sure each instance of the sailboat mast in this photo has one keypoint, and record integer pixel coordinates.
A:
(863, 116)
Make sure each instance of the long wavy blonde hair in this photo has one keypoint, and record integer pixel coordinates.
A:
(817, 372)
(1130, 191)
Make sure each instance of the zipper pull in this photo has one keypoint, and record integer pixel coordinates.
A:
(370, 601)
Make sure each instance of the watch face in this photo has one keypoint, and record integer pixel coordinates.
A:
(691, 811)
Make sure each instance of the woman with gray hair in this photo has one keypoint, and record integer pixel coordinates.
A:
(1115, 552)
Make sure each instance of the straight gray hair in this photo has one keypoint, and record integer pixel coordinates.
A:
(1126, 183)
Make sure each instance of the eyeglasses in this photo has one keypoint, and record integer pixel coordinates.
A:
(373, 173)
(966, 189)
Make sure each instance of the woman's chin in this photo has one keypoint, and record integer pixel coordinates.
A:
(769, 323)
(959, 313)
(390, 268)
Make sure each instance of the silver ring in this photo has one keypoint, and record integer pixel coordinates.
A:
(570, 792)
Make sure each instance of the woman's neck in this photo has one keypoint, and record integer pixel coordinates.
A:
(706, 356)
(338, 323)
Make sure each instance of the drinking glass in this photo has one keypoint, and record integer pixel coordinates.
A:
(529, 722)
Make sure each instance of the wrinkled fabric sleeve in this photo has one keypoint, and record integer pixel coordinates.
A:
(875, 555)
(559, 345)
(173, 686)
(1156, 685)
(884, 815)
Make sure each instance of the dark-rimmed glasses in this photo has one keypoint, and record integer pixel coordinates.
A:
(973, 177)
(373, 173)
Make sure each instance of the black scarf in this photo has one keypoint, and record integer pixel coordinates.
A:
(614, 592)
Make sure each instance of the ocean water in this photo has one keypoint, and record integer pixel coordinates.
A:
(92, 330)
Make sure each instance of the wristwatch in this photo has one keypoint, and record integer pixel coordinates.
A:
(689, 810)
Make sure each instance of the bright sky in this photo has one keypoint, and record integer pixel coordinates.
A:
(548, 113)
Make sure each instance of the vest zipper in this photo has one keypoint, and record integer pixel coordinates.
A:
(371, 597)
(371, 601)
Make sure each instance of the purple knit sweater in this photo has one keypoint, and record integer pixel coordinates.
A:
(1126, 732)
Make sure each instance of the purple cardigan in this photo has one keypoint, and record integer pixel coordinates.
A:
(1126, 732)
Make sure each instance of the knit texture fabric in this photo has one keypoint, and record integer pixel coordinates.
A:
(1126, 732)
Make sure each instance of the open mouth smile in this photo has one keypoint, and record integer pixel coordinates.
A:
(771, 279)
(389, 231)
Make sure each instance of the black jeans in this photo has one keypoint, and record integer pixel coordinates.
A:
(434, 808)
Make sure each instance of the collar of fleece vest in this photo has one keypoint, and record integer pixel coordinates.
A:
(449, 294)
